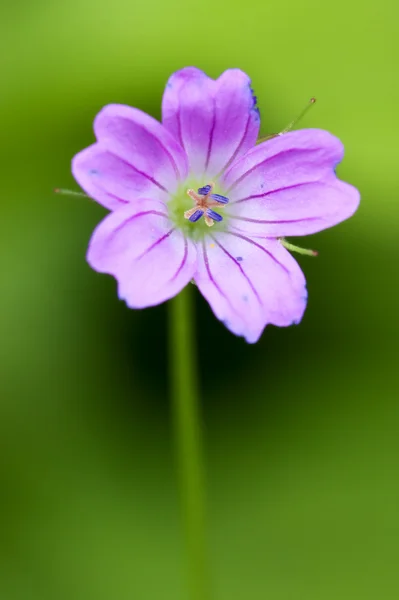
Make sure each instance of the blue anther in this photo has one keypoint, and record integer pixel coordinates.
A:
(213, 215)
(204, 190)
(219, 198)
(196, 216)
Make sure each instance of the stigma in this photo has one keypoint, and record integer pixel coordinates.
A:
(205, 201)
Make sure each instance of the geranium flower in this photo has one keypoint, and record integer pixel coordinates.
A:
(195, 198)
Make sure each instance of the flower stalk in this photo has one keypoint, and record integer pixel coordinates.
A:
(187, 426)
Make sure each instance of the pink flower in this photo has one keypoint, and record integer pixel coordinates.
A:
(194, 198)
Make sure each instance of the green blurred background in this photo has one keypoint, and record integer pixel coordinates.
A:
(302, 428)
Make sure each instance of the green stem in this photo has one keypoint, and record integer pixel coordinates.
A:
(186, 412)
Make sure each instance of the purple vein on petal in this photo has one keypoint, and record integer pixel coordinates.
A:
(154, 181)
(241, 269)
(208, 154)
(251, 241)
(155, 244)
(232, 159)
(164, 148)
(294, 151)
(179, 130)
(183, 262)
(212, 280)
(169, 155)
(275, 191)
(276, 222)
(136, 216)
(109, 194)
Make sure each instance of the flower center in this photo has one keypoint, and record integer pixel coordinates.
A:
(205, 201)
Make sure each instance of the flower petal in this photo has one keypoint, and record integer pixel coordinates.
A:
(140, 247)
(287, 186)
(250, 283)
(111, 181)
(135, 156)
(215, 121)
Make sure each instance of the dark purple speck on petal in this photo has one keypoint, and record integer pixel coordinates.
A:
(255, 101)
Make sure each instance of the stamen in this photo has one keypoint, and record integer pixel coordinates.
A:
(213, 215)
(219, 198)
(204, 191)
(197, 214)
(190, 212)
(204, 200)
(193, 194)
(210, 222)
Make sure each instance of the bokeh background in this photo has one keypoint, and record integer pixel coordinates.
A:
(301, 429)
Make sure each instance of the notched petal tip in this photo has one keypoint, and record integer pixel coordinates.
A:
(150, 259)
(186, 73)
(251, 283)
(213, 120)
(288, 186)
